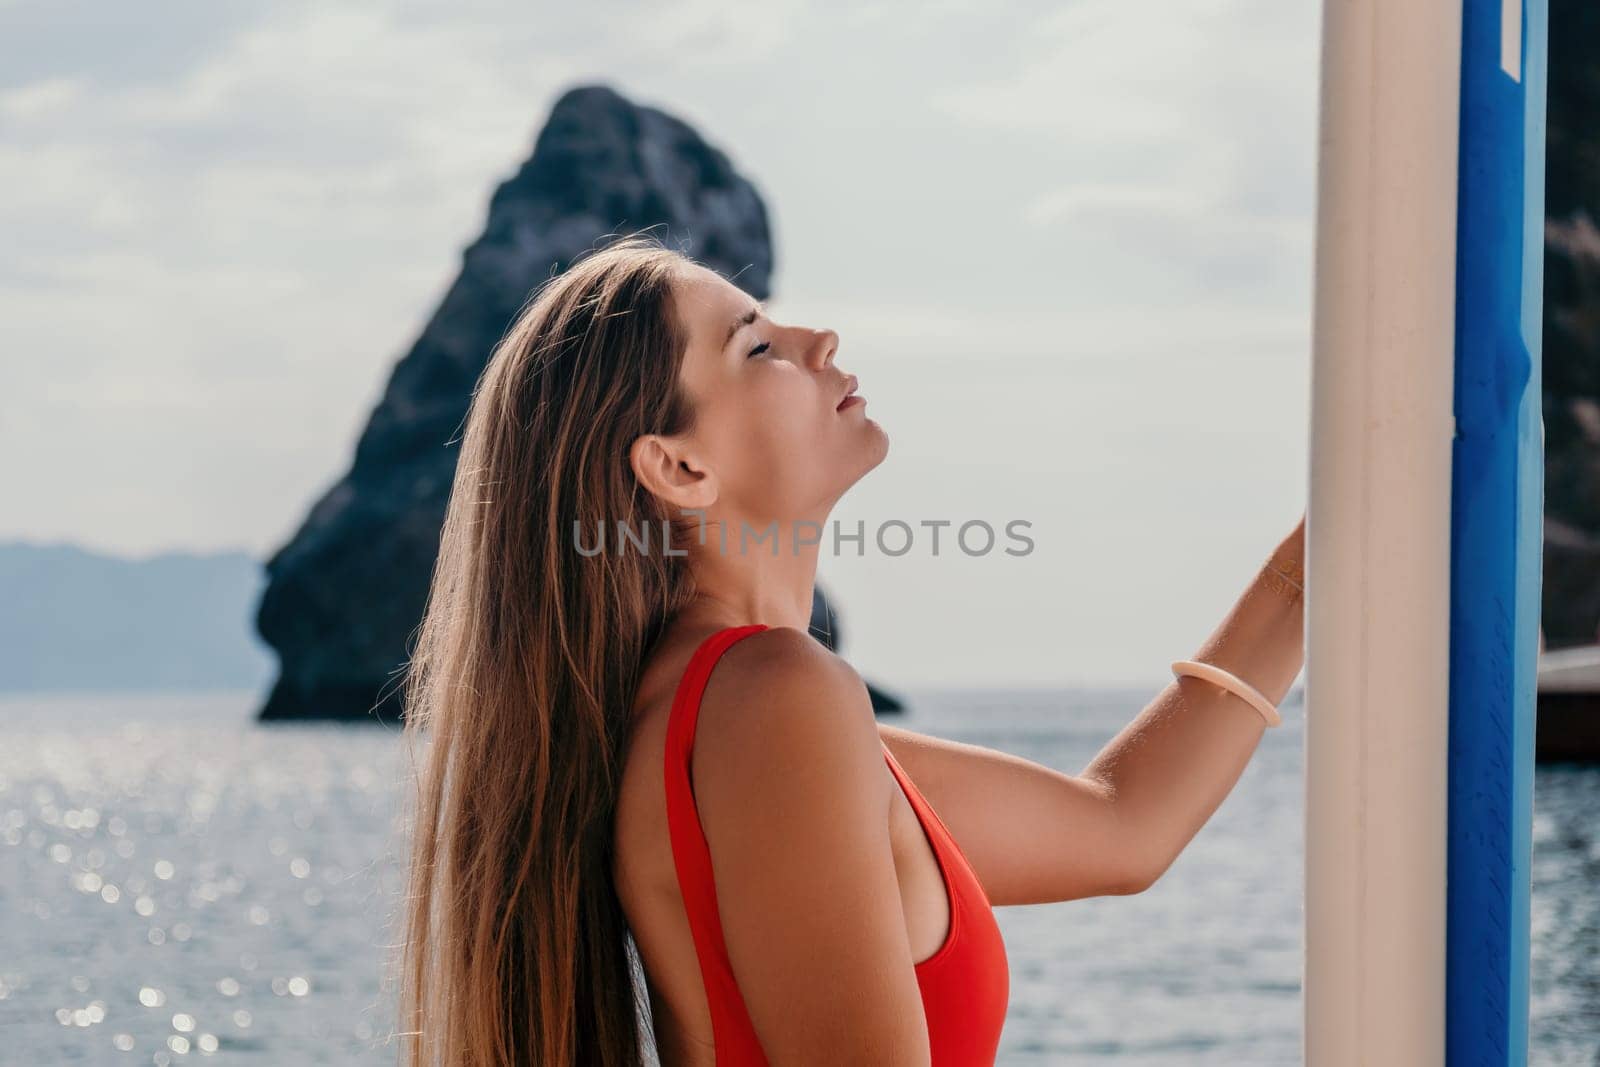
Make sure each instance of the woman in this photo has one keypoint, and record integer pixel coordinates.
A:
(813, 887)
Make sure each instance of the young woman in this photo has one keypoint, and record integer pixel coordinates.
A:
(813, 887)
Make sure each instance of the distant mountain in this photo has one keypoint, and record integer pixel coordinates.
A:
(74, 619)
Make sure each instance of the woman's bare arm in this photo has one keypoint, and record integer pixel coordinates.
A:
(1169, 770)
(1035, 834)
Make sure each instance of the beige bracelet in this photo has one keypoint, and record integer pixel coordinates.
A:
(1232, 683)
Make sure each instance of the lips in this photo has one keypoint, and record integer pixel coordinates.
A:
(849, 392)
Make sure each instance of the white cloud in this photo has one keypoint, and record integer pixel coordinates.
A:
(41, 100)
(1184, 113)
(1071, 201)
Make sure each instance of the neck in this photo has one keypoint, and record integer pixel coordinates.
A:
(748, 572)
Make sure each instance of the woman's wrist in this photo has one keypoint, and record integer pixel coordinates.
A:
(1287, 581)
(1262, 640)
(1286, 567)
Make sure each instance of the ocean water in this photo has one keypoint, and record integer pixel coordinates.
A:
(177, 881)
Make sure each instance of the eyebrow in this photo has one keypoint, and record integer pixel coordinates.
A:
(743, 320)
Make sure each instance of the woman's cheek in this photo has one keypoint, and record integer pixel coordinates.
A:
(777, 415)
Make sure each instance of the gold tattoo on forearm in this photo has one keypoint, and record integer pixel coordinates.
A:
(1282, 583)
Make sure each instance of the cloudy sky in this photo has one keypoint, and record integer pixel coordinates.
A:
(1067, 247)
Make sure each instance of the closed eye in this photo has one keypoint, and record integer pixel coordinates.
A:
(758, 349)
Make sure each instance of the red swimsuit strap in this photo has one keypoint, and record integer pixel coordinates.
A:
(736, 1042)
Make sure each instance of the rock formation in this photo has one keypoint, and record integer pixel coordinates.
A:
(346, 592)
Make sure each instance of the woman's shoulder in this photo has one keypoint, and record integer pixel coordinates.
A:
(781, 709)
(777, 706)
(782, 680)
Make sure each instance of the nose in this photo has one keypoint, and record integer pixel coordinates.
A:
(823, 348)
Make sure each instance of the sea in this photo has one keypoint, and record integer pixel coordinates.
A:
(180, 881)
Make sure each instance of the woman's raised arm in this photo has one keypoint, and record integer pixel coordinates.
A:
(1036, 835)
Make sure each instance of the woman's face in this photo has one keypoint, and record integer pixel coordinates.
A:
(769, 428)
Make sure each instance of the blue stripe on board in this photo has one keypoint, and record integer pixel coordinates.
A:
(1496, 537)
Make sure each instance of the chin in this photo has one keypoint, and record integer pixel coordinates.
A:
(873, 452)
(881, 436)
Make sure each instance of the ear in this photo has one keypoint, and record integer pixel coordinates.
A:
(671, 471)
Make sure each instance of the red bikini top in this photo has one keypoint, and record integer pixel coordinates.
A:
(965, 984)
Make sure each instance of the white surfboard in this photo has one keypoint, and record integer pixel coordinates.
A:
(1424, 532)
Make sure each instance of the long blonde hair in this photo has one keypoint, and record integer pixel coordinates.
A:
(515, 948)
